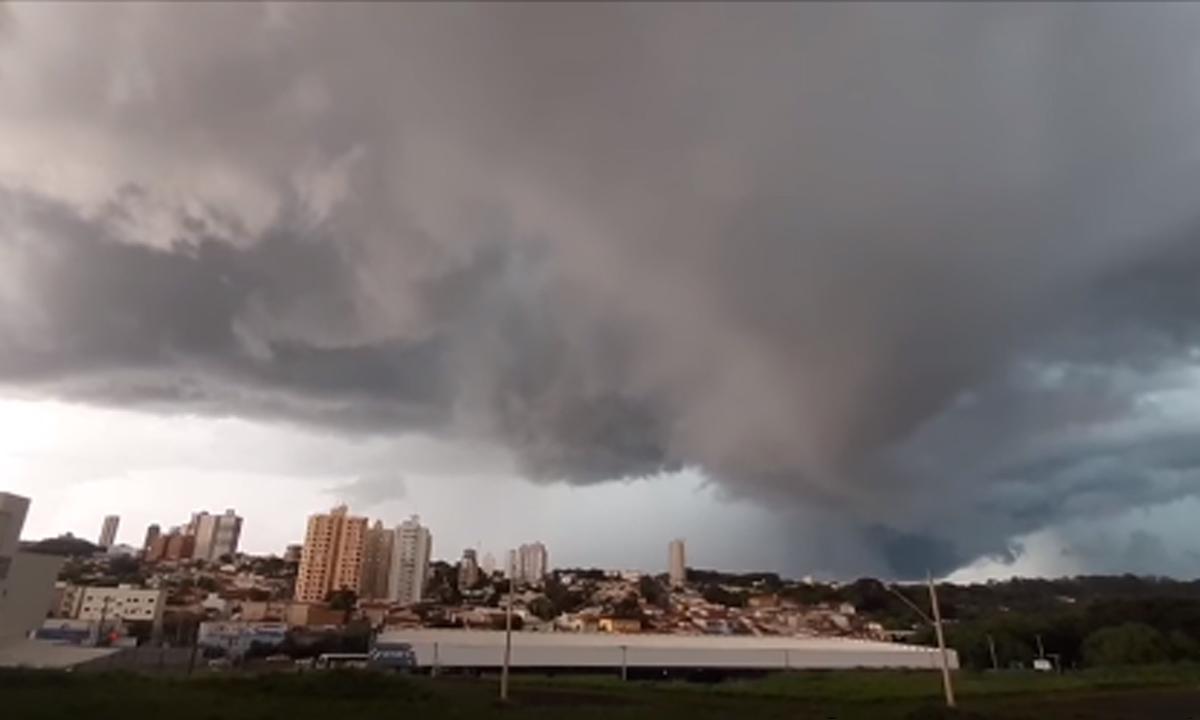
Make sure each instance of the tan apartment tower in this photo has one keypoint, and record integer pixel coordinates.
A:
(333, 554)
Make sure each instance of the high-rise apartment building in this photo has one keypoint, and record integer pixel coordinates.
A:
(152, 533)
(194, 524)
(333, 554)
(377, 562)
(178, 546)
(410, 562)
(532, 563)
(173, 545)
(226, 535)
(13, 509)
(216, 535)
(468, 570)
(203, 528)
(108, 531)
(677, 563)
(488, 565)
(26, 579)
(157, 550)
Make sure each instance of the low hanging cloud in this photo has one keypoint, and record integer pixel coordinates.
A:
(370, 490)
(929, 271)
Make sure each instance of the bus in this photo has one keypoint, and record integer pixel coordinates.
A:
(331, 661)
(393, 656)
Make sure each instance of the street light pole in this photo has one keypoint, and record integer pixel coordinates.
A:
(101, 639)
(512, 586)
(936, 622)
(947, 684)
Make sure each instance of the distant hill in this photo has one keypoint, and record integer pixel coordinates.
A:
(66, 546)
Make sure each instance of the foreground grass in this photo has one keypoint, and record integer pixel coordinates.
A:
(888, 686)
(1167, 692)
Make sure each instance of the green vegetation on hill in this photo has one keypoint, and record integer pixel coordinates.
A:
(65, 545)
(1081, 621)
(1094, 633)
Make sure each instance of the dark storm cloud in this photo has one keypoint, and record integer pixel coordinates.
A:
(878, 261)
(127, 323)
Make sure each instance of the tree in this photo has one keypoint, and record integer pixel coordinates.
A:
(345, 600)
(443, 584)
(628, 608)
(1183, 646)
(543, 608)
(1128, 644)
(275, 566)
(720, 596)
(654, 593)
(562, 598)
(124, 567)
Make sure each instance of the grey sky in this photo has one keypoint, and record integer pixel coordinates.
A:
(897, 286)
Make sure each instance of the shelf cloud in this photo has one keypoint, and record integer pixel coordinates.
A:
(929, 271)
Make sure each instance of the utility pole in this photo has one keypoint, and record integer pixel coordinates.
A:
(512, 587)
(947, 683)
(195, 648)
(101, 638)
(936, 622)
(624, 663)
(992, 650)
(1041, 649)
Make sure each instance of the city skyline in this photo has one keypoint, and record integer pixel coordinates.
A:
(645, 553)
(269, 531)
(375, 546)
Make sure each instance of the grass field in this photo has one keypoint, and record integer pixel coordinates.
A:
(1169, 693)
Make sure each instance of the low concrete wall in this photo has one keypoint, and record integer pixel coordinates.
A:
(484, 649)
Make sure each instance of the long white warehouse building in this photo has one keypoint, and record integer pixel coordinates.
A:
(485, 649)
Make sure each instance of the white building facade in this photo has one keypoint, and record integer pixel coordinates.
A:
(410, 562)
(533, 562)
(13, 509)
(108, 531)
(216, 535)
(104, 604)
(227, 533)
